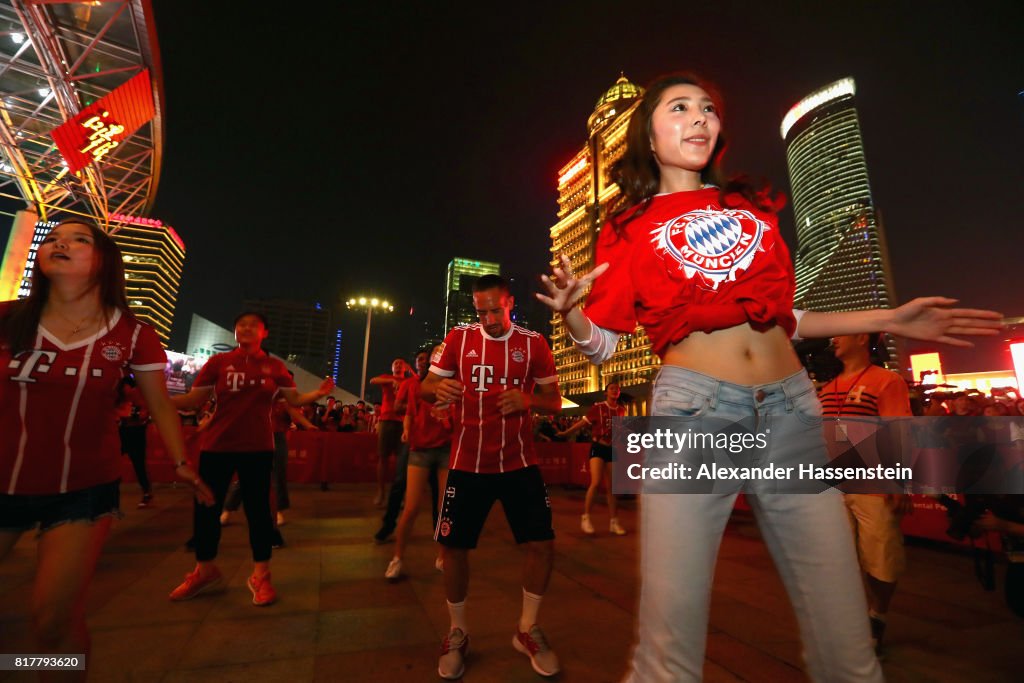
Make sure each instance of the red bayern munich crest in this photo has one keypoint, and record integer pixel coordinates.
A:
(714, 243)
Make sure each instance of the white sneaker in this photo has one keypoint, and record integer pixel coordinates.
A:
(394, 570)
(615, 527)
(585, 524)
(452, 663)
(439, 565)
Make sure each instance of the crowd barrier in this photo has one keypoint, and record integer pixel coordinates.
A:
(325, 458)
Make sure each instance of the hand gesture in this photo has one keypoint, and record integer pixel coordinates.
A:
(326, 386)
(449, 391)
(564, 288)
(513, 401)
(932, 319)
(405, 436)
(202, 492)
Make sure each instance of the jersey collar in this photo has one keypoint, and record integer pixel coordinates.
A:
(501, 338)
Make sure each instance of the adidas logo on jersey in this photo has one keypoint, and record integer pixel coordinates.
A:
(472, 354)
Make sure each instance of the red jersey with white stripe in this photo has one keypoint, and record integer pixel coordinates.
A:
(600, 418)
(246, 386)
(431, 427)
(485, 441)
(59, 406)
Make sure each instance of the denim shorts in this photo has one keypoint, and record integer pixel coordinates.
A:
(786, 413)
(430, 458)
(21, 513)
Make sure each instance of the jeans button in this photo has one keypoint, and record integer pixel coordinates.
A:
(759, 396)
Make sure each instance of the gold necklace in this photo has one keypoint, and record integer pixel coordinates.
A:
(77, 325)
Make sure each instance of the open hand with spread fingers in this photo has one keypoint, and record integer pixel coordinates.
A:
(932, 319)
(565, 288)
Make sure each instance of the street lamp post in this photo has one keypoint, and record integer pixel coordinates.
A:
(370, 304)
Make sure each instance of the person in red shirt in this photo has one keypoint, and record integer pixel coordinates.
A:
(698, 262)
(389, 434)
(65, 351)
(239, 438)
(427, 431)
(495, 373)
(864, 389)
(599, 418)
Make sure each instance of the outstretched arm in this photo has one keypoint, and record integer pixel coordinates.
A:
(580, 424)
(294, 398)
(927, 318)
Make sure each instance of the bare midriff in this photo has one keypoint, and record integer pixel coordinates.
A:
(740, 355)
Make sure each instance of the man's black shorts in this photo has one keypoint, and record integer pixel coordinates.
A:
(468, 498)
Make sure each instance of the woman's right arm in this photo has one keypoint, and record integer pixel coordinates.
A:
(564, 292)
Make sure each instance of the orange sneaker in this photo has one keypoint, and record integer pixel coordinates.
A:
(263, 593)
(195, 583)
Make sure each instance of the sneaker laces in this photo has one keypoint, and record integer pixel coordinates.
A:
(446, 644)
(537, 636)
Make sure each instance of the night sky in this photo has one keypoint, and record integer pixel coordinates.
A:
(319, 151)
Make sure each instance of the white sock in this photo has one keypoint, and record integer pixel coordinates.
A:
(457, 613)
(531, 605)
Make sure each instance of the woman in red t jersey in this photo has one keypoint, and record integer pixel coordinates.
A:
(65, 351)
(698, 263)
(427, 432)
(239, 438)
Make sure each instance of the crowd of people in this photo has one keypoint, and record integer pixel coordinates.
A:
(724, 338)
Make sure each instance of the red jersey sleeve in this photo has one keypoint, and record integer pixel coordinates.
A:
(147, 353)
(593, 415)
(207, 376)
(408, 392)
(282, 377)
(542, 362)
(611, 302)
(446, 362)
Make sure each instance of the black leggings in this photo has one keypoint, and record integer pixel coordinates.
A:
(133, 443)
(216, 469)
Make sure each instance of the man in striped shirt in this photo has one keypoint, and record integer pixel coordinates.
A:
(863, 389)
(495, 373)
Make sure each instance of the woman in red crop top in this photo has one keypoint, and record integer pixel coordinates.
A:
(65, 352)
(701, 266)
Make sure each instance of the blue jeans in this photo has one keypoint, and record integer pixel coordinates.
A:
(807, 535)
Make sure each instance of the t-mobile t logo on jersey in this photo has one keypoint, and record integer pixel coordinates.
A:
(235, 380)
(37, 360)
(482, 375)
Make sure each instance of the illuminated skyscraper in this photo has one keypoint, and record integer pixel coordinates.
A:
(585, 190)
(842, 261)
(154, 256)
(458, 294)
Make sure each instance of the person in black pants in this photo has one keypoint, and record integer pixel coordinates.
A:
(239, 438)
(132, 430)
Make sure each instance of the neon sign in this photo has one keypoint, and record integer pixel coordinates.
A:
(101, 136)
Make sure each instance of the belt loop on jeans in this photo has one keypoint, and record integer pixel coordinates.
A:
(713, 397)
(789, 395)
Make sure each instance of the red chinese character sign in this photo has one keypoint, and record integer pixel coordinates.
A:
(104, 124)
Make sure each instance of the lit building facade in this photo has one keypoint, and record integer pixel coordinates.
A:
(301, 333)
(585, 191)
(841, 259)
(154, 256)
(458, 293)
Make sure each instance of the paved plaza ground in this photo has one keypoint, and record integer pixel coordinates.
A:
(339, 620)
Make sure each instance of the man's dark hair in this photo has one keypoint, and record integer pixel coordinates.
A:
(262, 318)
(486, 282)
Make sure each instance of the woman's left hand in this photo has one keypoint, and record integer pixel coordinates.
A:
(932, 319)
(203, 493)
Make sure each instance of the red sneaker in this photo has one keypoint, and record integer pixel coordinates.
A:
(195, 583)
(263, 593)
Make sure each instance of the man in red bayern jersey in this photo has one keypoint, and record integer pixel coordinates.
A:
(494, 372)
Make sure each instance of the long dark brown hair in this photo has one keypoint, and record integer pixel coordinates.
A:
(20, 326)
(637, 173)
